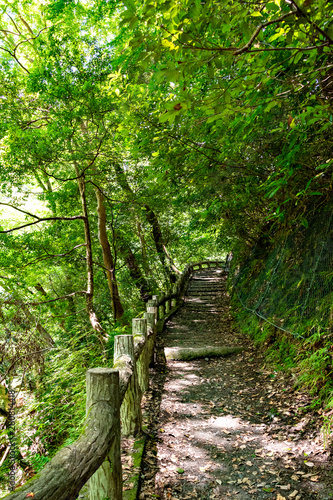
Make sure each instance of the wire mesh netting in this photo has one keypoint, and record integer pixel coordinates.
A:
(290, 285)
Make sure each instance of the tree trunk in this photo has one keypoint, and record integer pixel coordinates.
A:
(141, 236)
(152, 220)
(90, 270)
(135, 271)
(108, 260)
(158, 240)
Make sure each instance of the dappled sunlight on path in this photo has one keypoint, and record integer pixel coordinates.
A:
(227, 428)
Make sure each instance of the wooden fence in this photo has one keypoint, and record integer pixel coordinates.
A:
(113, 396)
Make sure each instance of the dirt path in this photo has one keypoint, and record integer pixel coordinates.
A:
(225, 427)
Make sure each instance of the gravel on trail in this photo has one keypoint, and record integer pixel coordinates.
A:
(227, 427)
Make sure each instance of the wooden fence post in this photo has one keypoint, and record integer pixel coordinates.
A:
(107, 482)
(130, 410)
(168, 303)
(151, 330)
(150, 317)
(162, 306)
(152, 307)
(174, 301)
(139, 331)
(155, 297)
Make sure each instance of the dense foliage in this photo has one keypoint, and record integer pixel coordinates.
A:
(136, 137)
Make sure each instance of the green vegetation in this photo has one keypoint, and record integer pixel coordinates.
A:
(137, 136)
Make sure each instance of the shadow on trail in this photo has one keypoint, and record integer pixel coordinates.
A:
(227, 446)
(225, 428)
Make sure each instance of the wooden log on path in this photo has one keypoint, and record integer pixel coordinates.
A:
(185, 353)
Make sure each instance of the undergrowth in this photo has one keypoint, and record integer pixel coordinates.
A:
(310, 360)
(51, 404)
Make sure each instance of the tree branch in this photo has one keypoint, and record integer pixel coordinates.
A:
(31, 38)
(246, 47)
(25, 125)
(79, 176)
(14, 56)
(82, 292)
(318, 28)
(299, 49)
(39, 219)
(51, 256)
(19, 210)
(27, 355)
(18, 302)
(8, 31)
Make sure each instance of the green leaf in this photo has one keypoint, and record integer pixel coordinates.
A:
(4, 396)
(304, 222)
(170, 74)
(270, 106)
(272, 7)
(275, 37)
(210, 70)
(298, 57)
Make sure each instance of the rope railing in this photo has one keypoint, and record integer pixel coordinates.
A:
(113, 410)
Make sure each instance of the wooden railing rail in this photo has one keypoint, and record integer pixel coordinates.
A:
(113, 396)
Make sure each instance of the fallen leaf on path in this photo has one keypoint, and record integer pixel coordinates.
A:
(280, 497)
(283, 487)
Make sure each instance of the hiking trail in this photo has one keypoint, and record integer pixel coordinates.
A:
(227, 427)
